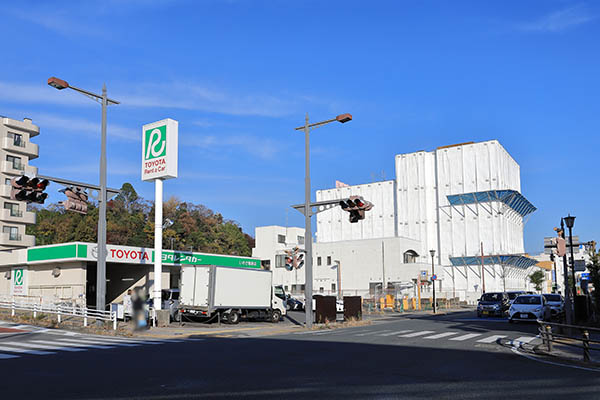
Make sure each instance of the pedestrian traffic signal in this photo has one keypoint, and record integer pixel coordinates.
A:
(29, 190)
(76, 200)
(356, 206)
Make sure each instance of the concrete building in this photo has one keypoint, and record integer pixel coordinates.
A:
(15, 153)
(67, 271)
(462, 201)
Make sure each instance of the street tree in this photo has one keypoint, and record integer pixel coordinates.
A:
(537, 279)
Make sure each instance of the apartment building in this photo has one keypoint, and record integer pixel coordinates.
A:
(16, 152)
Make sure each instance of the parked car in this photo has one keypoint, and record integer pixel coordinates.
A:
(493, 304)
(556, 303)
(295, 304)
(529, 307)
(514, 294)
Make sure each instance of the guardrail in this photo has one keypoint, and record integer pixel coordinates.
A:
(549, 337)
(61, 310)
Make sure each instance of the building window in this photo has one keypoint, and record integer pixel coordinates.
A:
(266, 264)
(333, 287)
(300, 239)
(281, 239)
(318, 261)
(17, 139)
(285, 288)
(410, 257)
(328, 260)
(280, 261)
(13, 232)
(14, 209)
(16, 162)
(7, 181)
(321, 289)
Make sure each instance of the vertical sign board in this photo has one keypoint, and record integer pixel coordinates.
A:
(19, 282)
(159, 162)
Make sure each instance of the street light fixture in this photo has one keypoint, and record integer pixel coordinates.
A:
(101, 264)
(308, 289)
(433, 277)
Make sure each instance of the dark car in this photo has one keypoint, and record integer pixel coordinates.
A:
(294, 304)
(493, 304)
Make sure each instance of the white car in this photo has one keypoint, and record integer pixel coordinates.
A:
(530, 307)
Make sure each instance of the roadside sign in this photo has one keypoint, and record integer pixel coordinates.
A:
(433, 277)
(585, 276)
(159, 150)
(19, 281)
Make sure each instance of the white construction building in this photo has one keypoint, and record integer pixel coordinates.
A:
(463, 201)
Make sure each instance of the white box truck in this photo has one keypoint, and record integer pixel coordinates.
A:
(230, 293)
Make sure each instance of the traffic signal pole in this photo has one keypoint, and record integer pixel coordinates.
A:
(101, 271)
(308, 280)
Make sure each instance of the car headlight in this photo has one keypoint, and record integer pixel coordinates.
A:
(496, 305)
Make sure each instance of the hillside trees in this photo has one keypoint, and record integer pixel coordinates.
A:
(130, 222)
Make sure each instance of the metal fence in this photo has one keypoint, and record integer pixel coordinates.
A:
(581, 341)
(62, 310)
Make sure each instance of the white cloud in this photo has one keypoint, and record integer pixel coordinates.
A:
(560, 20)
(83, 126)
(262, 147)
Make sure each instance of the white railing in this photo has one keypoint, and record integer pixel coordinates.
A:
(60, 309)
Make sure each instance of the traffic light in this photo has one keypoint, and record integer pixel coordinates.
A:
(289, 260)
(29, 190)
(298, 260)
(356, 206)
(76, 200)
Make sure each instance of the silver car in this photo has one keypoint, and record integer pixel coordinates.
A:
(556, 303)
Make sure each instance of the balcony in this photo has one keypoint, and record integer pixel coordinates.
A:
(20, 217)
(29, 149)
(18, 240)
(17, 169)
(5, 190)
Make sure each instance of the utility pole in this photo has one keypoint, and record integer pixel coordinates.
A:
(482, 271)
(433, 277)
(308, 289)
(568, 306)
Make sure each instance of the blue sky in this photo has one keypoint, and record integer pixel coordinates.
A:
(240, 75)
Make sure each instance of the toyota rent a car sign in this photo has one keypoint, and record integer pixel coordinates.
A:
(159, 150)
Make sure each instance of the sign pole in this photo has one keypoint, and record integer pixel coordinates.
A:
(158, 216)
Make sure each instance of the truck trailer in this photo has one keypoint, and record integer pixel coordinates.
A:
(228, 293)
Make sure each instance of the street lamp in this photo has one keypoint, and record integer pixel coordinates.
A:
(101, 264)
(308, 289)
(432, 252)
(570, 221)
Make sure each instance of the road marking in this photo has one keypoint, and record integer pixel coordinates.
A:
(18, 350)
(86, 344)
(40, 346)
(440, 335)
(466, 337)
(4, 356)
(524, 339)
(370, 333)
(415, 334)
(396, 333)
(111, 342)
(326, 332)
(304, 333)
(491, 339)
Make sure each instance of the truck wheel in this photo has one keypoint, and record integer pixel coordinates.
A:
(233, 318)
(275, 316)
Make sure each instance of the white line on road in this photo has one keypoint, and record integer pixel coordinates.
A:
(4, 356)
(371, 333)
(491, 339)
(440, 335)
(524, 339)
(415, 334)
(396, 333)
(466, 337)
(19, 350)
(40, 346)
(82, 343)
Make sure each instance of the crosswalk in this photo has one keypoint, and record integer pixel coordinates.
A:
(429, 335)
(48, 344)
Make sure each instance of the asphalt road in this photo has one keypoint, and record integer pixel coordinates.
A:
(443, 357)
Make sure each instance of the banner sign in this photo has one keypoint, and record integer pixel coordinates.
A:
(19, 281)
(160, 150)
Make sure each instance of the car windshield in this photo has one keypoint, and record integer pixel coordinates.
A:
(175, 296)
(528, 300)
(492, 297)
(553, 297)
